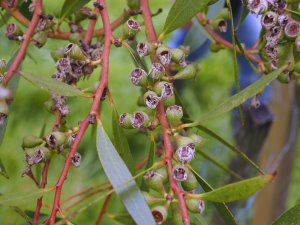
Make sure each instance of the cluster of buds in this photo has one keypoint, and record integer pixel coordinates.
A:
(281, 35)
(38, 150)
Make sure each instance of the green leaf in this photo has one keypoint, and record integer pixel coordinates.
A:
(236, 191)
(12, 85)
(71, 6)
(149, 163)
(242, 96)
(2, 170)
(121, 218)
(181, 12)
(22, 214)
(53, 86)
(4, 18)
(138, 61)
(118, 174)
(120, 141)
(15, 198)
(222, 208)
(289, 217)
(245, 12)
(230, 146)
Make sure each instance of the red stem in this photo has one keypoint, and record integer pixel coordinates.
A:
(163, 121)
(103, 209)
(93, 111)
(27, 36)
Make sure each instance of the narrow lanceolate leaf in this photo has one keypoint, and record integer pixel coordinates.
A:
(242, 96)
(10, 199)
(2, 170)
(236, 191)
(120, 141)
(71, 6)
(181, 12)
(12, 85)
(222, 208)
(22, 214)
(53, 86)
(118, 175)
(289, 217)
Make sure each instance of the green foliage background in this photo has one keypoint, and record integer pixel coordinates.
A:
(28, 116)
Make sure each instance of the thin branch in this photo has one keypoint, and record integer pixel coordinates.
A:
(103, 209)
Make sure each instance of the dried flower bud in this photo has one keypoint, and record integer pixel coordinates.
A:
(64, 65)
(75, 38)
(82, 14)
(43, 24)
(87, 69)
(165, 90)
(96, 54)
(56, 139)
(140, 119)
(283, 19)
(177, 55)
(151, 99)
(2, 66)
(155, 181)
(174, 115)
(76, 159)
(125, 120)
(144, 48)
(36, 155)
(138, 77)
(164, 55)
(258, 6)
(3, 111)
(130, 29)
(180, 173)
(190, 183)
(269, 19)
(75, 52)
(40, 38)
(297, 43)
(187, 72)
(31, 141)
(219, 24)
(195, 205)
(186, 153)
(57, 54)
(157, 71)
(12, 31)
(160, 214)
(292, 29)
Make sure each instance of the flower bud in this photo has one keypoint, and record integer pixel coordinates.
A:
(75, 52)
(130, 29)
(140, 119)
(31, 141)
(183, 141)
(195, 205)
(269, 19)
(219, 24)
(187, 72)
(96, 54)
(3, 111)
(283, 19)
(76, 159)
(160, 214)
(40, 38)
(174, 114)
(56, 139)
(176, 215)
(157, 71)
(180, 173)
(292, 29)
(186, 153)
(190, 183)
(197, 140)
(151, 99)
(297, 43)
(177, 55)
(43, 24)
(82, 14)
(164, 55)
(165, 90)
(36, 155)
(150, 199)
(5, 94)
(144, 48)
(258, 6)
(64, 65)
(2, 66)
(125, 120)
(57, 54)
(75, 38)
(12, 31)
(138, 77)
(155, 181)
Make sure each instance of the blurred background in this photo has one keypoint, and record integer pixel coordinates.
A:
(212, 85)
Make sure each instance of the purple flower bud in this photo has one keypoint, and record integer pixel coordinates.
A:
(186, 153)
(125, 120)
(144, 48)
(167, 91)
(180, 173)
(160, 214)
(164, 55)
(269, 19)
(131, 28)
(151, 99)
(12, 31)
(76, 159)
(195, 205)
(297, 43)
(64, 65)
(283, 19)
(258, 6)
(157, 71)
(138, 77)
(139, 119)
(292, 29)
